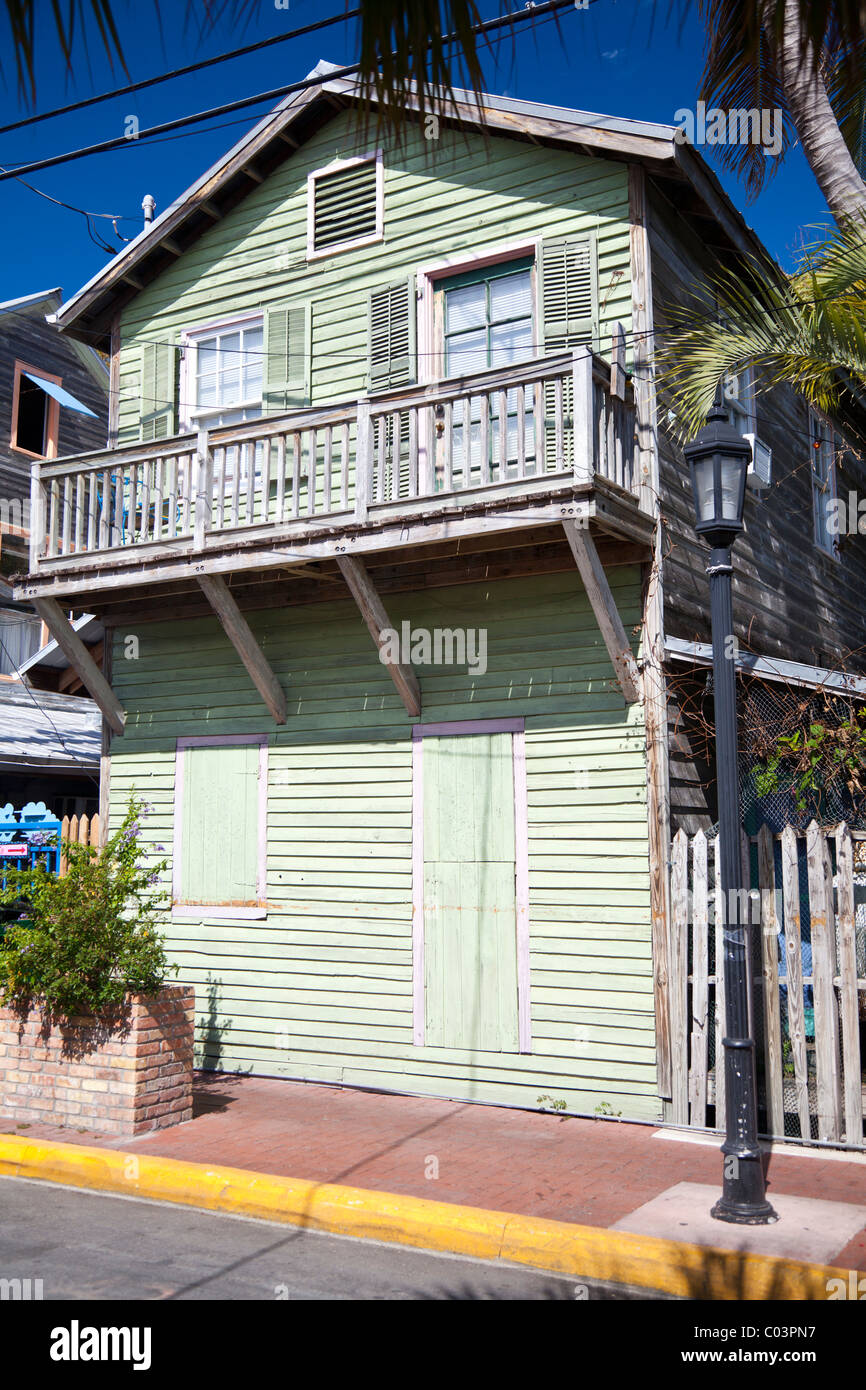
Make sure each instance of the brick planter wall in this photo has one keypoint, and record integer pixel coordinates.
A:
(133, 1076)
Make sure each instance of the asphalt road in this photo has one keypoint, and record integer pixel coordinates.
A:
(84, 1245)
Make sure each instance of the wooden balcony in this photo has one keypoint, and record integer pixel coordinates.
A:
(525, 445)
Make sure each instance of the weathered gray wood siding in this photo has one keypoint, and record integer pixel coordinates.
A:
(791, 600)
(322, 988)
(26, 337)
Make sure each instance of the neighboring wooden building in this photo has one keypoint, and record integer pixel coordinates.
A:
(53, 402)
(381, 392)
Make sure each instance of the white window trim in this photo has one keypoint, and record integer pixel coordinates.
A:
(829, 430)
(189, 414)
(205, 911)
(334, 168)
(746, 415)
(426, 276)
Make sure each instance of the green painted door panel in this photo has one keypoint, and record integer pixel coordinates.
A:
(470, 943)
(219, 853)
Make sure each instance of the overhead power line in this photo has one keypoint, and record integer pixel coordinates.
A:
(179, 72)
(536, 12)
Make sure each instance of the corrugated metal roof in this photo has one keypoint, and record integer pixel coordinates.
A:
(41, 729)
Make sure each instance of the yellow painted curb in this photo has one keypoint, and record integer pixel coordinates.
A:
(583, 1252)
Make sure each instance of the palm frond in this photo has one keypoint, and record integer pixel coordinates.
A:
(406, 53)
(65, 20)
(740, 71)
(808, 331)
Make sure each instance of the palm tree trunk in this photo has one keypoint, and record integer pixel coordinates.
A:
(812, 114)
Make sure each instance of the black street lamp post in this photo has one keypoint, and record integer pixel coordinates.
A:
(719, 459)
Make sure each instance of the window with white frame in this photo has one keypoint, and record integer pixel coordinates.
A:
(224, 372)
(821, 450)
(345, 205)
(739, 390)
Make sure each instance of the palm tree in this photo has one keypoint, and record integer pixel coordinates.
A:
(807, 330)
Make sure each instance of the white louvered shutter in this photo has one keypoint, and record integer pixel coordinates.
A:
(345, 205)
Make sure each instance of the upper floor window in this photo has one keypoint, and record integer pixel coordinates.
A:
(821, 449)
(740, 401)
(20, 638)
(225, 372)
(35, 413)
(487, 317)
(345, 205)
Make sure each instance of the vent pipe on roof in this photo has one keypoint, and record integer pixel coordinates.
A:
(148, 203)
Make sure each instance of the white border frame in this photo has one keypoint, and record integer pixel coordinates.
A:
(456, 263)
(456, 729)
(335, 167)
(189, 414)
(206, 910)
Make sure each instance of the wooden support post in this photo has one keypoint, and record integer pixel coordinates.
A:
(584, 417)
(105, 752)
(204, 488)
(617, 363)
(374, 615)
(79, 657)
(653, 643)
(38, 515)
(363, 461)
(239, 633)
(605, 609)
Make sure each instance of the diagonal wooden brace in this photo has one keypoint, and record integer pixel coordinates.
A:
(605, 610)
(374, 615)
(81, 661)
(239, 633)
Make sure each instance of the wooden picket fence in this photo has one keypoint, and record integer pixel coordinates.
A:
(79, 830)
(804, 890)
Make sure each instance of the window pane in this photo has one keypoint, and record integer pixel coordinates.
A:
(467, 353)
(510, 342)
(465, 307)
(252, 363)
(511, 296)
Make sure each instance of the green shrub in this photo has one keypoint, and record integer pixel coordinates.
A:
(85, 941)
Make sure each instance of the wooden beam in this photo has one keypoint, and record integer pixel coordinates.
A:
(79, 657)
(374, 615)
(239, 633)
(653, 646)
(605, 609)
(70, 681)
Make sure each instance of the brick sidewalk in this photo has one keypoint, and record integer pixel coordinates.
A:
(593, 1172)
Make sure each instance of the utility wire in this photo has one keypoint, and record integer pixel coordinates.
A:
(64, 745)
(180, 72)
(513, 18)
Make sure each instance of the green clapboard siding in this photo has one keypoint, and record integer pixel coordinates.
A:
(448, 198)
(220, 824)
(470, 927)
(321, 987)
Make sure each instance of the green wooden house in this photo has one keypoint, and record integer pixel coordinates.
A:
(381, 539)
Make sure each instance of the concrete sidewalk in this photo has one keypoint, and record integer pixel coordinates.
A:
(595, 1173)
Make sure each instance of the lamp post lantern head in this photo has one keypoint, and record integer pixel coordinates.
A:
(719, 460)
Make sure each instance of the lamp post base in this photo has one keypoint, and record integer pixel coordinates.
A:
(743, 1202)
(743, 1214)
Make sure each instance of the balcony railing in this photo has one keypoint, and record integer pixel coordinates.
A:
(510, 432)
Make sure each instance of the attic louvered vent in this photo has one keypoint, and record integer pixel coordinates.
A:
(344, 205)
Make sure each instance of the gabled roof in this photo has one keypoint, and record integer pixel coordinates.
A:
(49, 302)
(300, 114)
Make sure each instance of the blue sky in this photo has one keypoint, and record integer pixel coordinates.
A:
(620, 57)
